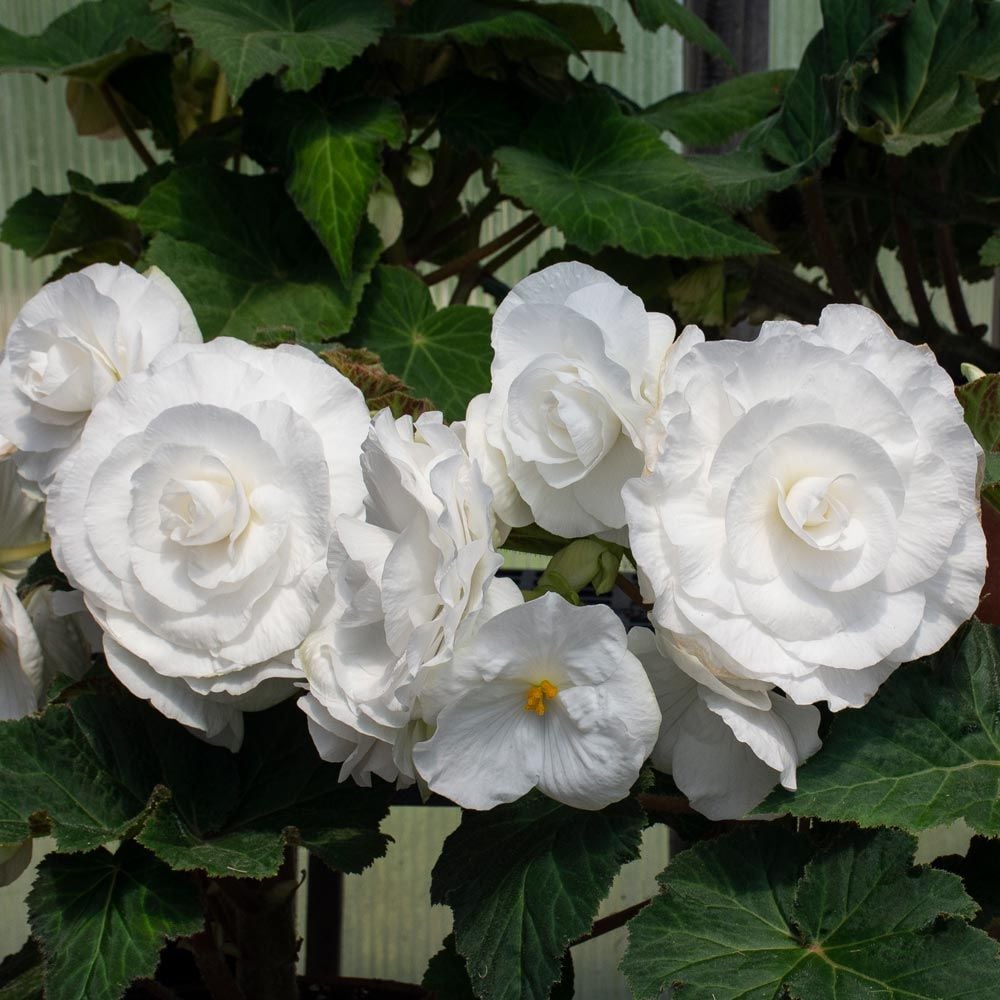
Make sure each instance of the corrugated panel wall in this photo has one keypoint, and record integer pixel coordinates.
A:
(391, 930)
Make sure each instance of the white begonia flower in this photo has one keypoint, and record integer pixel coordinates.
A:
(726, 742)
(70, 345)
(545, 695)
(406, 578)
(22, 533)
(196, 516)
(22, 676)
(814, 516)
(577, 374)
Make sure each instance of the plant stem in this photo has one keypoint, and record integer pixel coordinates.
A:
(212, 967)
(111, 100)
(513, 250)
(668, 804)
(944, 244)
(611, 922)
(826, 247)
(908, 256)
(479, 253)
(630, 590)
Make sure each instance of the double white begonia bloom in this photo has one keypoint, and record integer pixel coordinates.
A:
(727, 742)
(814, 517)
(577, 375)
(545, 695)
(407, 578)
(195, 518)
(70, 345)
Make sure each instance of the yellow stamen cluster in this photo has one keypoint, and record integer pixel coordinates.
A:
(535, 702)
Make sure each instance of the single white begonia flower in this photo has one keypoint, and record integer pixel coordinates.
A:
(22, 531)
(726, 742)
(578, 374)
(406, 578)
(814, 516)
(545, 695)
(70, 345)
(196, 516)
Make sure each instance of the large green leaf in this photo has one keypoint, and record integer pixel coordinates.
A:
(477, 22)
(109, 766)
(88, 41)
(101, 919)
(740, 179)
(51, 781)
(607, 180)
(246, 260)
(925, 89)
(443, 354)
(712, 116)
(523, 881)
(335, 164)
(653, 14)
(758, 915)
(804, 133)
(924, 751)
(275, 792)
(297, 38)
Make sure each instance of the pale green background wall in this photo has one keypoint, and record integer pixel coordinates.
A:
(391, 930)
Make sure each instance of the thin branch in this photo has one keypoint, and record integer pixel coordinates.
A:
(215, 974)
(611, 922)
(495, 263)
(477, 254)
(908, 255)
(826, 247)
(630, 590)
(861, 232)
(475, 218)
(667, 805)
(111, 100)
(944, 245)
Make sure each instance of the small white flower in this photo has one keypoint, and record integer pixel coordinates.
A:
(726, 742)
(405, 579)
(196, 516)
(546, 696)
(577, 375)
(70, 345)
(814, 515)
(68, 634)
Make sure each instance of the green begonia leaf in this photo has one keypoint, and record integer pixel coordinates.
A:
(523, 881)
(246, 260)
(21, 974)
(443, 354)
(52, 782)
(565, 26)
(88, 41)
(282, 793)
(298, 39)
(804, 133)
(335, 164)
(925, 90)
(739, 180)
(653, 14)
(109, 766)
(924, 751)
(101, 919)
(712, 116)
(760, 914)
(608, 180)
(989, 254)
